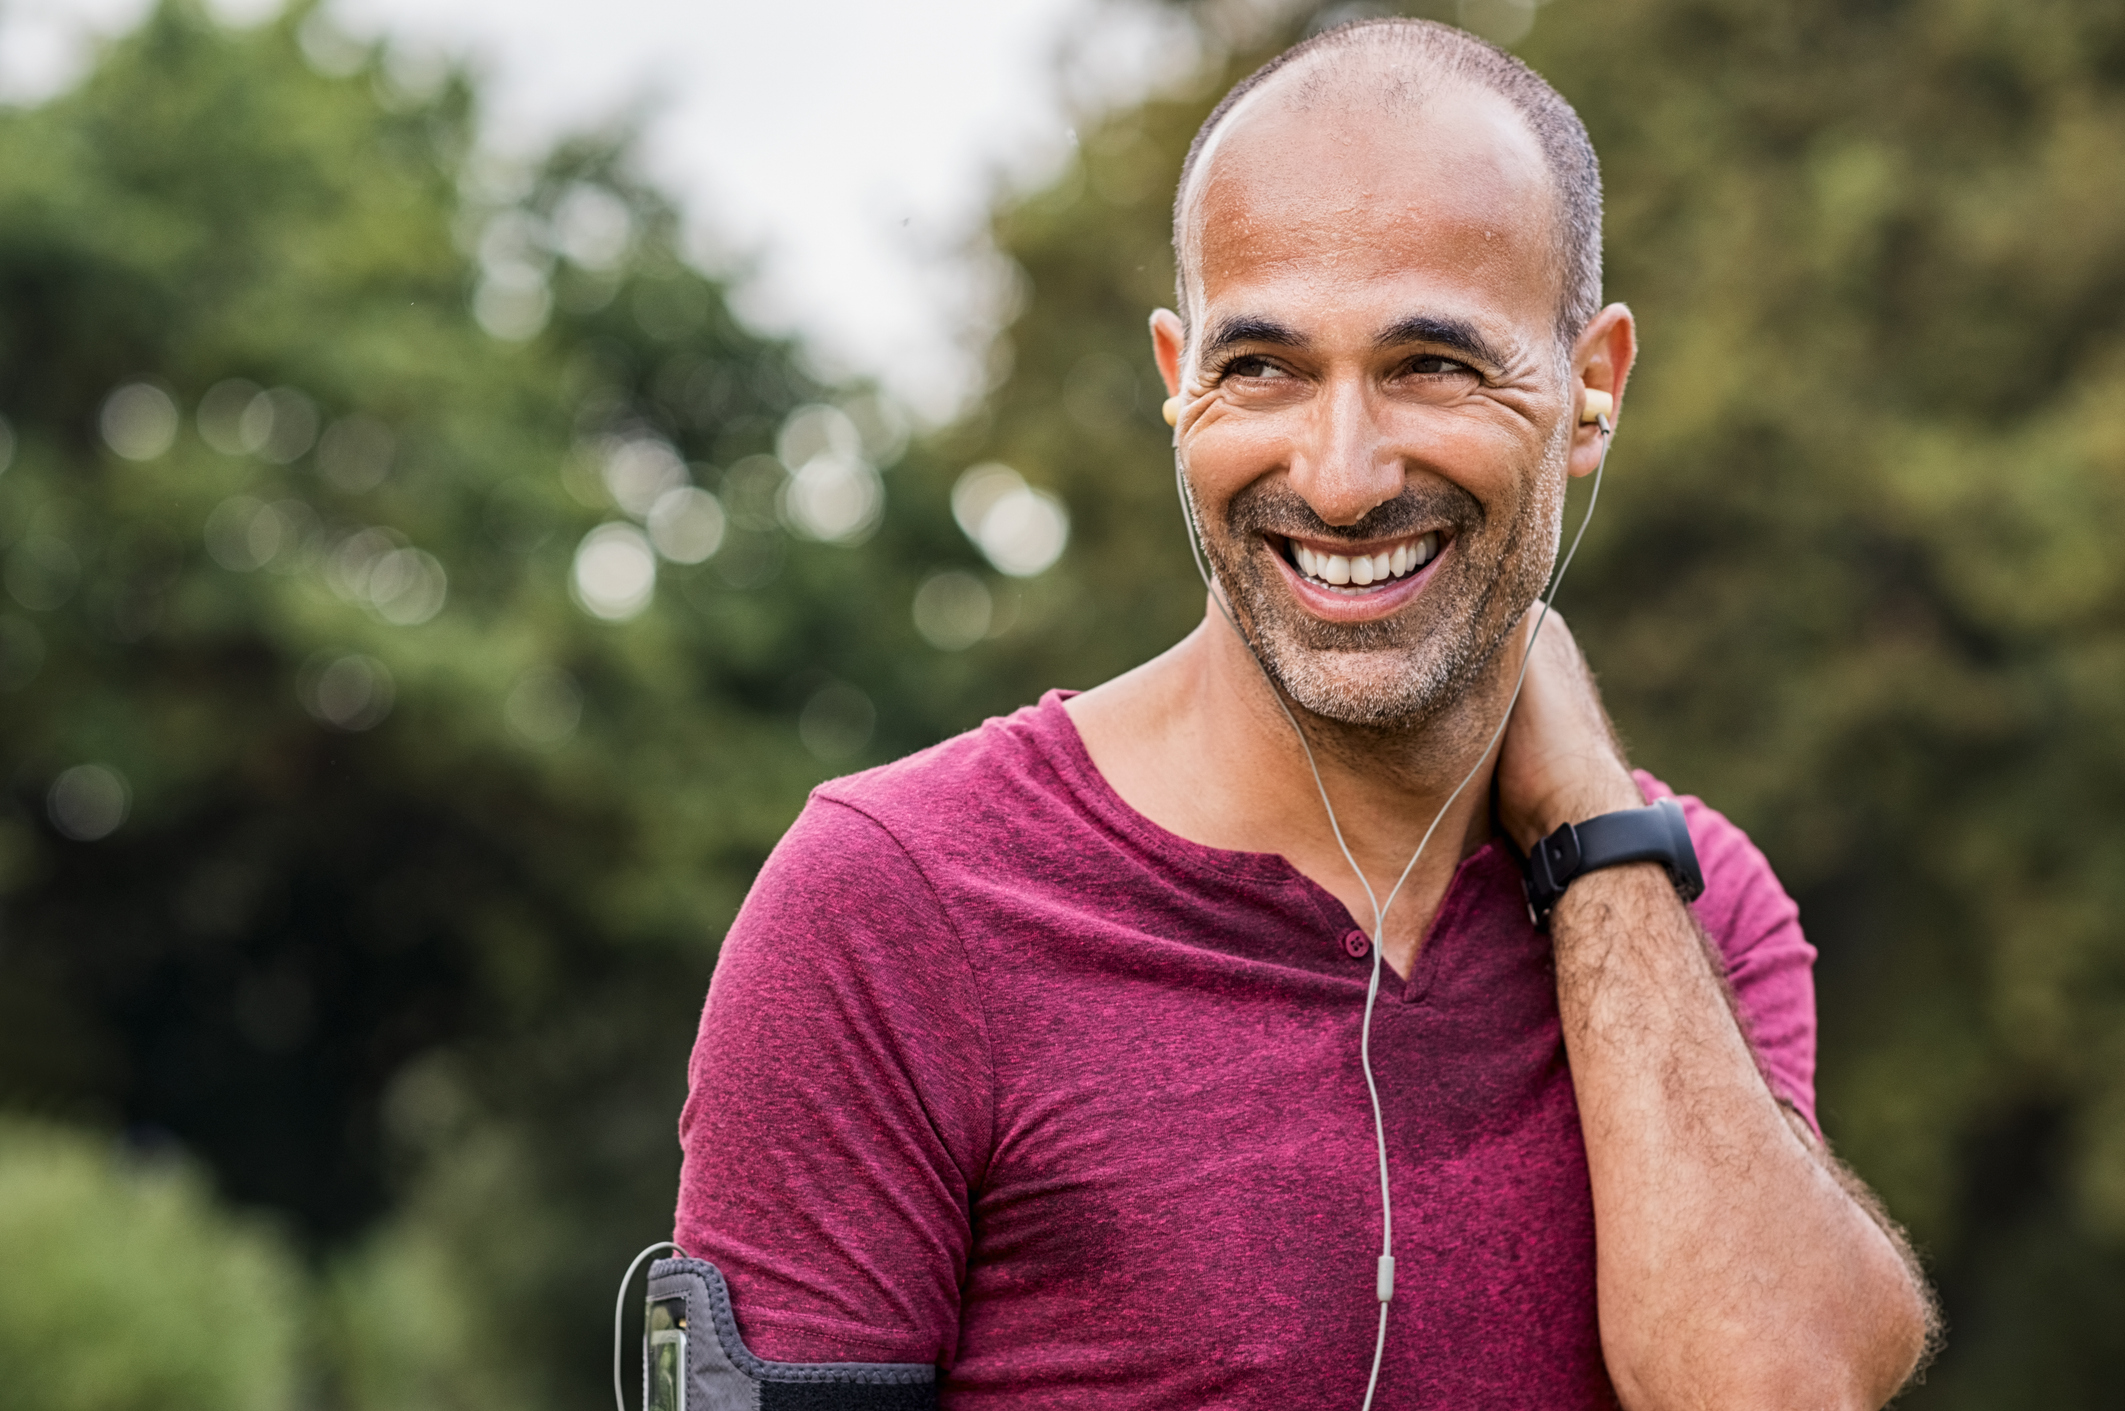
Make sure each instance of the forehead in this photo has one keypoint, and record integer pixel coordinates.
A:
(1329, 198)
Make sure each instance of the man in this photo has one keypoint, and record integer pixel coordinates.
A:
(1035, 1059)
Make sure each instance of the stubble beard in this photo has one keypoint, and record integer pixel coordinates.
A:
(1406, 671)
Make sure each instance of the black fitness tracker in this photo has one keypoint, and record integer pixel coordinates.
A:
(1655, 833)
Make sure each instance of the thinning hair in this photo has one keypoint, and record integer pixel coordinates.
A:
(1430, 57)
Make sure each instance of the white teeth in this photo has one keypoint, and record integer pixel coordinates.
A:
(1366, 569)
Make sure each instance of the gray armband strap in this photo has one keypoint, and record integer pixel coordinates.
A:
(694, 1359)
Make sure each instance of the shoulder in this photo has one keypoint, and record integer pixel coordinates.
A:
(1007, 774)
(891, 841)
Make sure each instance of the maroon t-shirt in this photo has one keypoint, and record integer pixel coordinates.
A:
(997, 1074)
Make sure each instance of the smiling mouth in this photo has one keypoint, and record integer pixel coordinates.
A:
(1330, 568)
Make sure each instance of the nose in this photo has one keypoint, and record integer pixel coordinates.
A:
(1343, 465)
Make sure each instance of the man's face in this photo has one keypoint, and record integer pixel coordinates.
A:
(1375, 418)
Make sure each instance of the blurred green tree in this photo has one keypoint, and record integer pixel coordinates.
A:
(128, 1290)
(1851, 579)
(411, 648)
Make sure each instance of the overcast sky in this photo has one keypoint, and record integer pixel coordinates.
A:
(846, 147)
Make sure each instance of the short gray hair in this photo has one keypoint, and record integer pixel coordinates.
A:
(1448, 55)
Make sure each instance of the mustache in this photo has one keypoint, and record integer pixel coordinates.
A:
(1277, 509)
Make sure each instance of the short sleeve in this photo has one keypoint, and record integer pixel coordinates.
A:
(839, 1106)
(1770, 965)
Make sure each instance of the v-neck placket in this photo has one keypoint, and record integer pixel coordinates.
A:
(1092, 786)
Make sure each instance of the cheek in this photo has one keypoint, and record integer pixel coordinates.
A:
(1224, 454)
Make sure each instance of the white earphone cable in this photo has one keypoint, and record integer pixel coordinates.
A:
(1384, 1281)
(619, 1309)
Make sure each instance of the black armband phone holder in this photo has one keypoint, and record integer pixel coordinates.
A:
(1655, 833)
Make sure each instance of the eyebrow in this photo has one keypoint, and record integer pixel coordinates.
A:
(1454, 335)
(1230, 332)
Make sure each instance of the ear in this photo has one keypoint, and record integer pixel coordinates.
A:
(1169, 343)
(1601, 362)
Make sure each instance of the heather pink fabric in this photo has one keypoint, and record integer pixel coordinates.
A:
(996, 1074)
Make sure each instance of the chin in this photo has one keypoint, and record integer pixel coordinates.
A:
(1377, 689)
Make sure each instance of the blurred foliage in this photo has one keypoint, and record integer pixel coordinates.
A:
(127, 1289)
(422, 867)
(414, 899)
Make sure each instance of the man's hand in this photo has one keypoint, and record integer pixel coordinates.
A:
(1561, 763)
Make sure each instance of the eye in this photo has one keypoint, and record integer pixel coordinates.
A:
(1433, 365)
(1252, 365)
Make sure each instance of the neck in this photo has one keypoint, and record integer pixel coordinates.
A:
(1196, 741)
(1386, 781)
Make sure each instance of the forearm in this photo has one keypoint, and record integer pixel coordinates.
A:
(1733, 1269)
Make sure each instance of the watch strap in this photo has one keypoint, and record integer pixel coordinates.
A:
(1655, 833)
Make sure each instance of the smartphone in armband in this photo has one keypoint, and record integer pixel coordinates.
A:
(664, 1356)
(709, 1366)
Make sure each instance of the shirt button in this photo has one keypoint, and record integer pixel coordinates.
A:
(1356, 945)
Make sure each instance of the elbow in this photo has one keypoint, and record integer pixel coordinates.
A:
(1886, 1324)
(1854, 1354)
(1908, 1335)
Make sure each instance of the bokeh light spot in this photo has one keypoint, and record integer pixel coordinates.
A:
(835, 498)
(512, 302)
(817, 430)
(354, 454)
(138, 421)
(243, 534)
(349, 692)
(329, 49)
(592, 227)
(881, 426)
(638, 472)
(281, 424)
(407, 587)
(686, 525)
(88, 802)
(1020, 530)
(953, 610)
(350, 563)
(544, 707)
(615, 572)
(223, 421)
